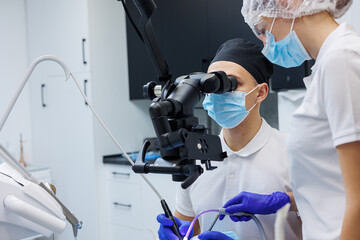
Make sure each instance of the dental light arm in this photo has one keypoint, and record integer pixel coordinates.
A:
(75, 223)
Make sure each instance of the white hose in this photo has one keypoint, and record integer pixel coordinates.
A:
(26, 78)
(67, 75)
(112, 136)
(280, 221)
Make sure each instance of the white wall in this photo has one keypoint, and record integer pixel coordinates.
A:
(353, 16)
(128, 119)
(13, 64)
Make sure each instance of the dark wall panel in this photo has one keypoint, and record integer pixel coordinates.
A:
(189, 32)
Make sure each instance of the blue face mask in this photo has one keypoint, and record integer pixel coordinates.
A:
(288, 52)
(227, 109)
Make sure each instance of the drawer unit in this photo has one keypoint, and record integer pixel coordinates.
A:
(119, 233)
(126, 204)
(121, 174)
(132, 206)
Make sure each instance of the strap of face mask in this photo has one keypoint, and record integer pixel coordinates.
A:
(252, 90)
(252, 107)
(272, 25)
(249, 93)
(292, 25)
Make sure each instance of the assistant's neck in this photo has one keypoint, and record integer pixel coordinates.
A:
(237, 138)
(314, 30)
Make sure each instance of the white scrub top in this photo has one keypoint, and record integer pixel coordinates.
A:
(260, 167)
(328, 117)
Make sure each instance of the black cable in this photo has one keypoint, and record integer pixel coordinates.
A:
(131, 20)
(12, 178)
(164, 89)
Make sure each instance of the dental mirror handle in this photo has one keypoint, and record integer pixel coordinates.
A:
(168, 214)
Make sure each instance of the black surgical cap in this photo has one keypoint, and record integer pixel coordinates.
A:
(248, 55)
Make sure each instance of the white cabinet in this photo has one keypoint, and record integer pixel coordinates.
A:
(64, 134)
(61, 121)
(59, 28)
(132, 206)
(63, 139)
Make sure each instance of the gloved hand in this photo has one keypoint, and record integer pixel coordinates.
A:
(165, 232)
(212, 235)
(255, 204)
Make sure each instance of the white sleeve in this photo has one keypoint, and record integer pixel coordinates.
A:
(341, 95)
(183, 202)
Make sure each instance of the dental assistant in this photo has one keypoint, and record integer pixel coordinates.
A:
(324, 137)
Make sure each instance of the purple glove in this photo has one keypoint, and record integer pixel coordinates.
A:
(213, 236)
(165, 232)
(255, 204)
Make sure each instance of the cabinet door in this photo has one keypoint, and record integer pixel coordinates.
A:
(226, 22)
(184, 36)
(59, 28)
(65, 144)
(40, 118)
(118, 232)
(180, 29)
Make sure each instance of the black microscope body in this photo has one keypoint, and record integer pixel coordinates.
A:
(181, 138)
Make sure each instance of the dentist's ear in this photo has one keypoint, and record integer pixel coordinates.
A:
(263, 91)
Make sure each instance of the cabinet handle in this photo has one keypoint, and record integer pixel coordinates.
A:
(121, 174)
(122, 204)
(42, 95)
(85, 89)
(83, 50)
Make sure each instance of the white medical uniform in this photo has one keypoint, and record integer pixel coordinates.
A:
(260, 167)
(328, 117)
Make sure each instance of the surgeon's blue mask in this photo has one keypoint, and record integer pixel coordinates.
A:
(227, 109)
(288, 52)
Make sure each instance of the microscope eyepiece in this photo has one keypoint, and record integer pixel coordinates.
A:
(218, 83)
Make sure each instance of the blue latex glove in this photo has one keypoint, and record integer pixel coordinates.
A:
(213, 236)
(255, 204)
(165, 232)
